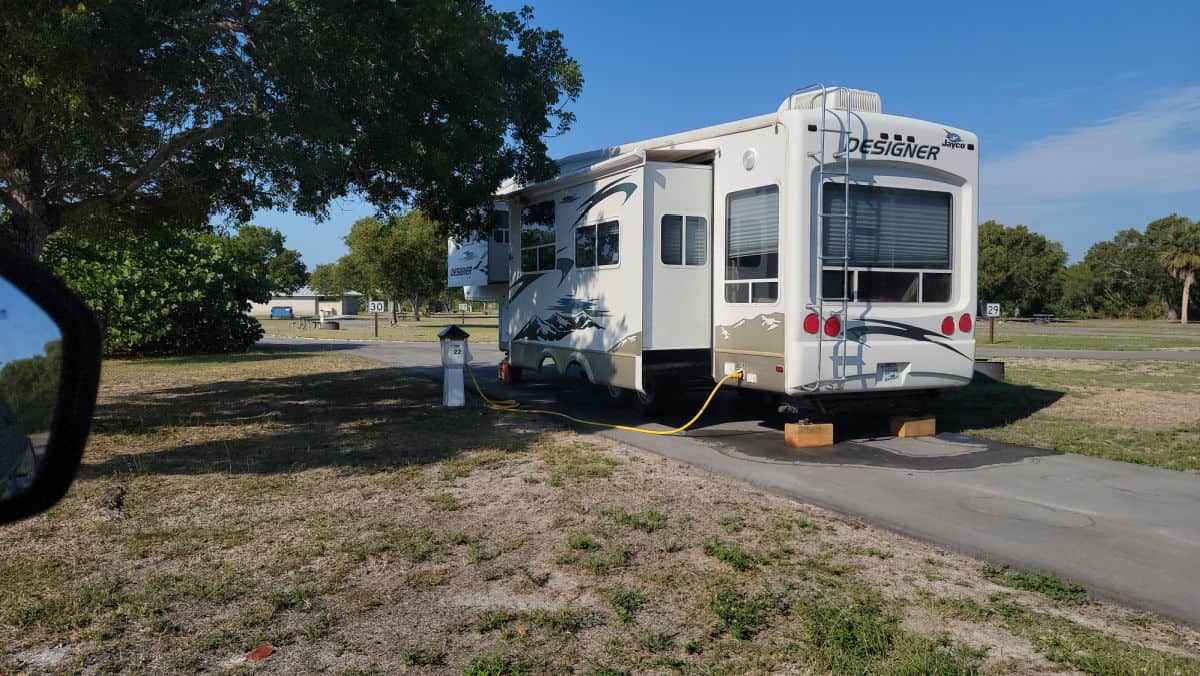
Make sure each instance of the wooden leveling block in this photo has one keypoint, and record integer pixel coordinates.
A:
(913, 427)
(808, 435)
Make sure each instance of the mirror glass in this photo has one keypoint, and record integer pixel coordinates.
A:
(30, 369)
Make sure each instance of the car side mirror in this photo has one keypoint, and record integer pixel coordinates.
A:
(49, 374)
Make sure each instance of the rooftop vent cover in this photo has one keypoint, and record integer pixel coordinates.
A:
(835, 99)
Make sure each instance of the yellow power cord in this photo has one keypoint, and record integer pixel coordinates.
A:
(513, 406)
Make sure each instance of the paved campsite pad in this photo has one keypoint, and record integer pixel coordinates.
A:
(325, 507)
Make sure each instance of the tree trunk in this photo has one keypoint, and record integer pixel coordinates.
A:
(1188, 280)
(29, 224)
(416, 304)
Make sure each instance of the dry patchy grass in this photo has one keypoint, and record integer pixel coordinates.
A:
(482, 329)
(326, 506)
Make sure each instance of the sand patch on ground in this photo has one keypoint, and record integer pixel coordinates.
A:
(1130, 409)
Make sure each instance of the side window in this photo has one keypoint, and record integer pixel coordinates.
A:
(598, 245)
(684, 240)
(537, 237)
(499, 226)
(752, 245)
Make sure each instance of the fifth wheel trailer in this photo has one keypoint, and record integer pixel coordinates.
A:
(826, 248)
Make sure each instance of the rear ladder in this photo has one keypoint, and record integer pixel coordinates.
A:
(835, 173)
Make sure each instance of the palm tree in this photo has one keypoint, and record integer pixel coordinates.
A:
(1181, 255)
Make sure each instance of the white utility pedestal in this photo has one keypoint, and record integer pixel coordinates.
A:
(455, 356)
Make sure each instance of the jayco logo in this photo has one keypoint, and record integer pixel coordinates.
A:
(953, 140)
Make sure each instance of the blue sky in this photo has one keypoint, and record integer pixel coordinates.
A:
(24, 327)
(1088, 113)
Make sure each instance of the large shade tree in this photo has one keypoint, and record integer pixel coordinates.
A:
(144, 113)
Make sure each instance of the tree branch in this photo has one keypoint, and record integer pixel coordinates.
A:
(118, 194)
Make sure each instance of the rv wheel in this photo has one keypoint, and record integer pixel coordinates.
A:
(619, 394)
(652, 398)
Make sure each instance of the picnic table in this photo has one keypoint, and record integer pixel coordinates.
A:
(1042, 318)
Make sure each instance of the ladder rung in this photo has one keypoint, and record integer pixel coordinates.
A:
(835, 131)
(835, 173)
(833, 258)
(829, 215)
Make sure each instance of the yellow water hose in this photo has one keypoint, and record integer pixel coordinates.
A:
(513, 406)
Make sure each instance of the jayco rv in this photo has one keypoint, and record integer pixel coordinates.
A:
(825, 248)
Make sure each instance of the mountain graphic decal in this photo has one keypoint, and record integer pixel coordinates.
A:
(571, 314)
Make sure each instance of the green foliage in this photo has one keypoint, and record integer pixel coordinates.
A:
(1123, 277)
(176, 292)
(164, 114)
(1019, 268)
(252, 247)
(403, 258)
(173, 294)
(328, 280)
(848, 636)
(29, 390)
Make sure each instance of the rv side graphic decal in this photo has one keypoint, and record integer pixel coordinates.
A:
(570, 314)
(607, 191)
(762, 333)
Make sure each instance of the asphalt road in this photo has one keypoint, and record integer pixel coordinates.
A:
(1121, 355)
(1131, 534)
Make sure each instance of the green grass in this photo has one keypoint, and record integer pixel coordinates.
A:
(282, 498)
(734, 556)
(1121, 335)
(744, 616)
(1023, 410)
(626, 603)
(582, 542)
(1077, 342)
(1049, 584)
(647, 522)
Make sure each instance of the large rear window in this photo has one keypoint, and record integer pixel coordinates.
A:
(890, 227)
(897, 242)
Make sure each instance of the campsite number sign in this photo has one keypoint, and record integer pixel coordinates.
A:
(991, 311)
(375, 307)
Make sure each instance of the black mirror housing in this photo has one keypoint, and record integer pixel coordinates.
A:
(55, 467)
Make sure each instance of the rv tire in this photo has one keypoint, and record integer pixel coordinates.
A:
(654, 396)
(618, 394)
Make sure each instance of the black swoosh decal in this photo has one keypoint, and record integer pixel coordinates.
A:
(901, 330)
(611, 189)
(523, 283)
(564, 266)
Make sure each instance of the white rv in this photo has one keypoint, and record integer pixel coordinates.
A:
(824, 248)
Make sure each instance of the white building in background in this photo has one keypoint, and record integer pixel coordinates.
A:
(306, 302)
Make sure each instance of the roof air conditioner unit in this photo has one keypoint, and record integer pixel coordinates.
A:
(835, 99)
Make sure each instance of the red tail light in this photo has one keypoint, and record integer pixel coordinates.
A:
(833, 327)
(948, 325)
(812, 323)
(964, 323)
